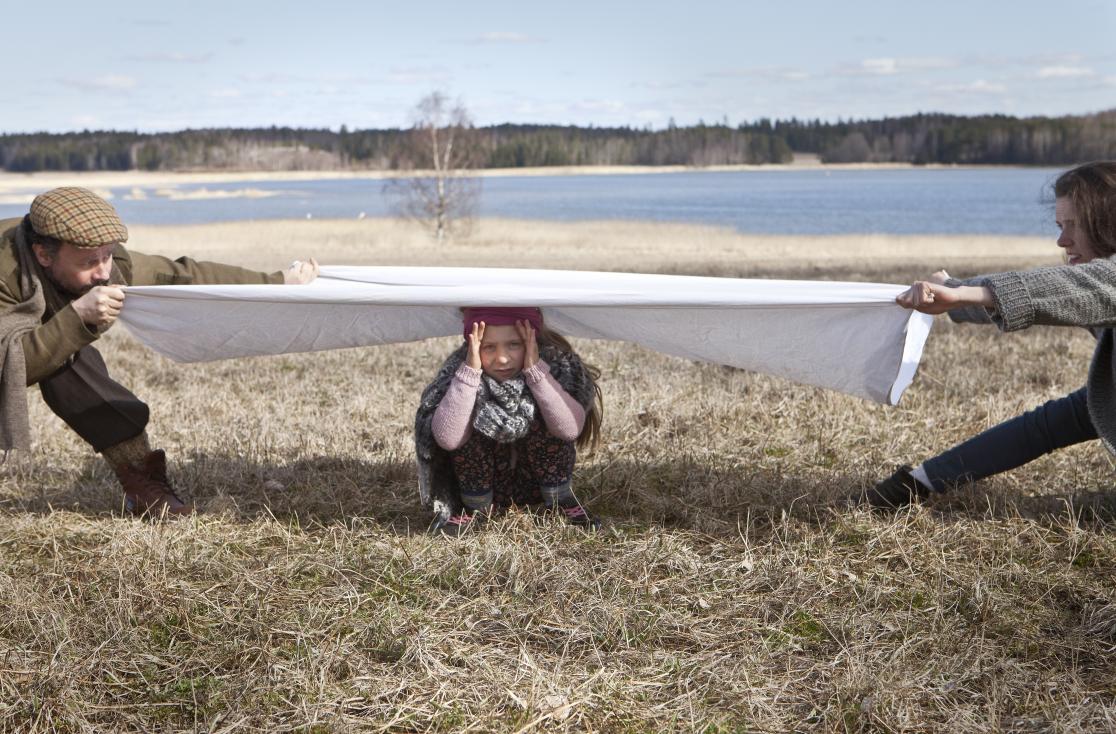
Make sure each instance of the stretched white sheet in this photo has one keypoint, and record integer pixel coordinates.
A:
(849, 337)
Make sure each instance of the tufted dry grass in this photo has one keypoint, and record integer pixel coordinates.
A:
(732, 590)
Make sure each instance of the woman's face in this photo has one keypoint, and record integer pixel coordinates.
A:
(501, 352)
(1073, 239)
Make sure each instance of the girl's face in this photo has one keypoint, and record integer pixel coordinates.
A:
(1073, 239)
(501, 352)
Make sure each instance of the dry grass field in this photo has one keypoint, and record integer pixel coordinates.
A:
(731, 590)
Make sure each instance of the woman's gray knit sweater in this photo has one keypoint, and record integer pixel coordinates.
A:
(1064, 295)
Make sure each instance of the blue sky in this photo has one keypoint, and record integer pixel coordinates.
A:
(166, 66)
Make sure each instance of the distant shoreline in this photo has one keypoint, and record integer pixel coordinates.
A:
(40, 181)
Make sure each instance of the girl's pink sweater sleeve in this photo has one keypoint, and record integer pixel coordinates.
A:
(563, 415)
(452, 422)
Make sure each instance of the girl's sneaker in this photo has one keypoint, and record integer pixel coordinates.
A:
(457, 525)
(579, 516)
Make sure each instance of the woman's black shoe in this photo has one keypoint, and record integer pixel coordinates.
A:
(898, 490)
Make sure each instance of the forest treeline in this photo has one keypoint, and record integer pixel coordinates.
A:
(918, 139)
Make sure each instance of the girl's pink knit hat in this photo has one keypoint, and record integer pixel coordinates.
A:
(500, 316)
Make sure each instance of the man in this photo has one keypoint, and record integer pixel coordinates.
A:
(61, 268)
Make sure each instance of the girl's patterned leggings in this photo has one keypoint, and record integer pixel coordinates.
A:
(503, 474)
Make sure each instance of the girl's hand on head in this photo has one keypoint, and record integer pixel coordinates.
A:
(530, 344)
(474, 360)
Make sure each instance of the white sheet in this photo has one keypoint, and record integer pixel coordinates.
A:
(849, 337)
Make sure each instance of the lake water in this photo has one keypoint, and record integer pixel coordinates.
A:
(1000, 201)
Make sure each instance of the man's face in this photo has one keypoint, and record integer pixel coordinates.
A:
(77, 269)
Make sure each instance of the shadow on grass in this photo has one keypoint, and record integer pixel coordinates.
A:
(680, 493)
(684, 492)
(317, 490)
(1093, 508)
(690, 493)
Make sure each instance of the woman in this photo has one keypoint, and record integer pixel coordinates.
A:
(1080, 293)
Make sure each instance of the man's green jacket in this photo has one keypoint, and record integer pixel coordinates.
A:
(48, 346)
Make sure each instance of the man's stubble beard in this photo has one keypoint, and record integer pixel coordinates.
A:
(72, 295)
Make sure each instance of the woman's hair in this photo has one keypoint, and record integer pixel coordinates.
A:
(1091, 188)
(590, 436)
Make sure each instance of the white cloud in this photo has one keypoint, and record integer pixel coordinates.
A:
(432, 75)
(1028, 62)
(226, 93)
(1064, 72)
(105, 83)
(598, 105)
(668, 85)
(774, 73)
(920, 63)
(84, 121)
(889, 65)
(502, 37)
(343, 79)
(115, 81)
(880, 66)
(1055, 59)
(271, 78)
(978, 87)
(595, 111)
(317, 80)
(173, 57)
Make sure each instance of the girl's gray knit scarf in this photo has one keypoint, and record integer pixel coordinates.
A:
(504, 410)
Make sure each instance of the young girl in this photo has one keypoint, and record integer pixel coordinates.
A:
(502, 421)
(1080, 293)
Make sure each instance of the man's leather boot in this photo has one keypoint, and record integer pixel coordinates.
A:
(146, 489)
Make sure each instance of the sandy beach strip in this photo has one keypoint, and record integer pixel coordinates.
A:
(600, 245)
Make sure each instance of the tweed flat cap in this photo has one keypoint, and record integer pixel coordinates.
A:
(77, 216)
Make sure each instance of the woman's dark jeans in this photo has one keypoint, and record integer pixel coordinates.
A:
(1053, 425)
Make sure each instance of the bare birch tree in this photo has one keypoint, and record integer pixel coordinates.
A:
(443, 193)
